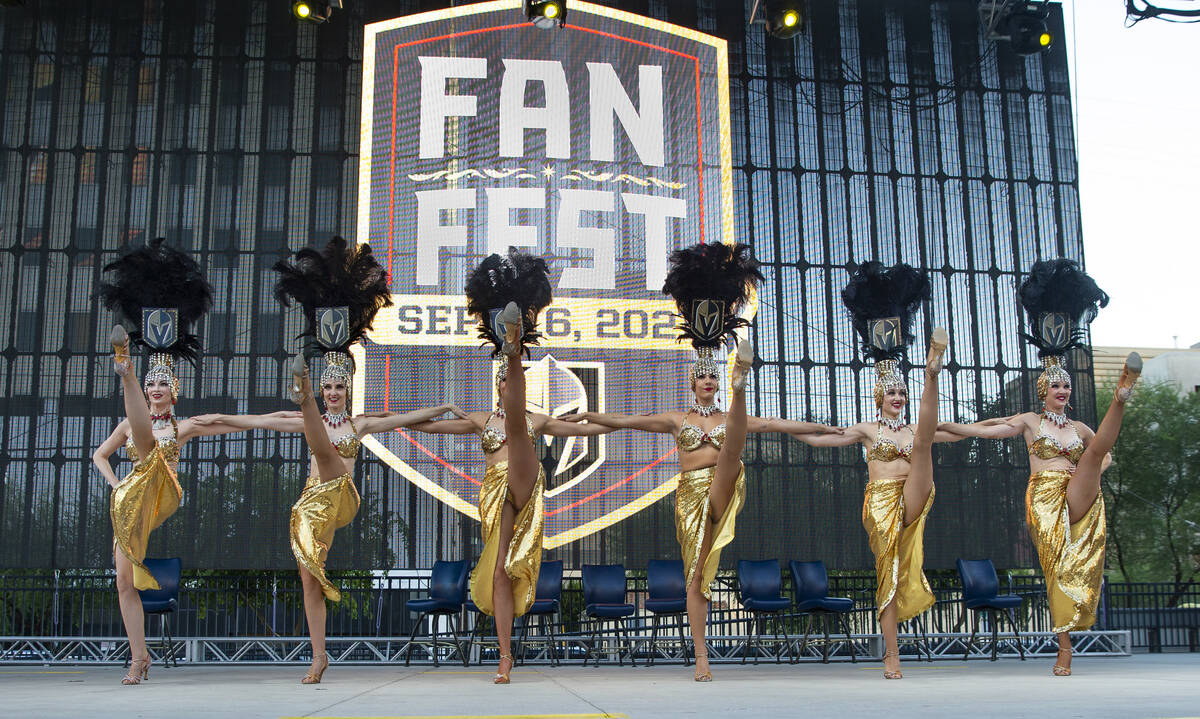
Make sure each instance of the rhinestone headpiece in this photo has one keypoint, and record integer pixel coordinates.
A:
(339, 367)
(1055, 371)
(705, 364)
(162, 369)
(887, 376)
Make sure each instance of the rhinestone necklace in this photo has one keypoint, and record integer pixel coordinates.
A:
(1058, 420)
(335, 419)
(893, 424)
(706, 410)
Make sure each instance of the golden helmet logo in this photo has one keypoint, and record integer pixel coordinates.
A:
(601, 146)
(160, 326)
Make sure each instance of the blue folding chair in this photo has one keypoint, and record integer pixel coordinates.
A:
(760, 588)
(545, 605)
(163, 601)
(981, 593)
(604, 601)
(667, 597)
(447, 593)
(811, 583)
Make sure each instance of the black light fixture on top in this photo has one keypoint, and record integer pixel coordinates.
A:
(315, 11)
(1021, 23)
(784, 18)
(546, 13)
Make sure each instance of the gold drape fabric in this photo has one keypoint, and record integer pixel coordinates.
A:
(899, 551)
(523, 558)
(692, 509)
(1072, 555)
(141, 501)
(323, 508)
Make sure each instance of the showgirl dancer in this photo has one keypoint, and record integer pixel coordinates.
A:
(513, 289)
(340, 289)
(900, 491)
(159, 291)
(710, 284)
(1063, 504)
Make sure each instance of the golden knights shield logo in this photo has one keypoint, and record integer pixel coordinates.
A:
(602, 147)
(886, 333)
(333, 326)
(708, 318)
(1055, 329)
(160, 326)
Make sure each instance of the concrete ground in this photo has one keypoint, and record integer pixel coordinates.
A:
(1160, 685)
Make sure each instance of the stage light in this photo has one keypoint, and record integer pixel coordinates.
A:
(315, 11)
(1027, 33)
(546, 13)
(783, 18)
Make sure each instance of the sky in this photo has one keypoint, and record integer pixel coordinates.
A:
(1137, 106)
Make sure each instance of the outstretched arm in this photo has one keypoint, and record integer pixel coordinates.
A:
(854, 434)
(470, 423)
(111, 444)
(278, 421)
(369, 424)
(545, 424)
(661, 423)
(788, 426)
(996, 428)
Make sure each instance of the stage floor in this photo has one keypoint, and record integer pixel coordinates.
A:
(1160, 685)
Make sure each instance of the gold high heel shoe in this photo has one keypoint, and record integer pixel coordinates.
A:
(938, 342)
(139, 671)
(502, 677)
(889, 674)
(510, 318)
(301, 387)
(702, 676)
(741, 365)
(1059, 670)
(119, 339)
(315, 677)
(1129, 376)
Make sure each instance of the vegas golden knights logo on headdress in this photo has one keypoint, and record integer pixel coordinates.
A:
(708, 318)
(333, 326)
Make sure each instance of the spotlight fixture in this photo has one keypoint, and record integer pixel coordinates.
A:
(783, 18)
(1022, 24)
(546, 13)
(315, 11)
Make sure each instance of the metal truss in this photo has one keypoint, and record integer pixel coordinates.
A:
(569, 649)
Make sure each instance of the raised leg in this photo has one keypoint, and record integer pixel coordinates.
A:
(137, 411)
(1084, 485)
(329, 462)
(729, 461)
(522, 459)
(920, 474)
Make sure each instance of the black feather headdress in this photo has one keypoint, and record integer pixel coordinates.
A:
(875, 292)
(1060, 300)
(516, 277)
(335, 276)
(158, 276)
(711, 283)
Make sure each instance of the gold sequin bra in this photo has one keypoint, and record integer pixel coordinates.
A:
(493, 438)
(1046, 446)
(691, 437)
(885, 450)
(167, 446)
(348, 444)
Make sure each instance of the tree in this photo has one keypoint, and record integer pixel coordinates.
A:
(1152, 490)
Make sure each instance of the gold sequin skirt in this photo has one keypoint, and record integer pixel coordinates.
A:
(1072, 555)
(523, 557)
(141, 501)
(899, 551)
(692, 507)
(323, 508)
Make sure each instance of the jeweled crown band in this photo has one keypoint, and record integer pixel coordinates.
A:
(705, 364)
(887, 376)
(1055, 371)
(339, 367)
